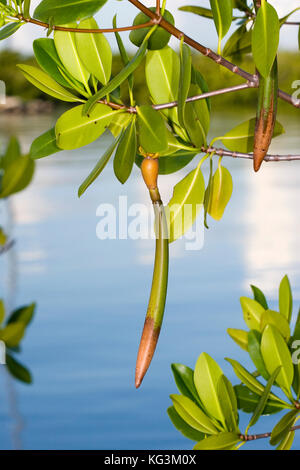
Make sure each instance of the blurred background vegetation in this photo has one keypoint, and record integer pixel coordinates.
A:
(217, 77)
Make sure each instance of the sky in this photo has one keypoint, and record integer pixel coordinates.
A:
(201, 29)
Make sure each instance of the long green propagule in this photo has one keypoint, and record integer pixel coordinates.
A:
(156, 307)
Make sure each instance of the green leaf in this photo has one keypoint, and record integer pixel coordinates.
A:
(269, 317)
(73, 129)
(220, 192)
(98, 168)
(17, 176)
(48, 59)
(254, 341)
(183, 427)
(8, 30)
(241, 138)
(197, 118)
(206, 377)
(186, 203)
(152, 130)
(64, 11)
(259, 296)
(223, 441)
(222, 13)
(248, 401)
(263, 399)
(228, 402)
(265, 38)
(184, 379)
(2, 311)
(44, 145)
(94, 51)
(184, 80)
(17, 370)
(283, 427)
(251, 382)
(252, 312)
(192, 414)
(125, 154)
(22, 314)
(118, 79)
(13, 152)
(239, 42)
(119, 123)
(45, 83)
(66, 46)
(162, 75)
(198, 11)
(287, 441)
(286, 298)
(12, 334)
(240, 337)
(123, 53)
(275, 353)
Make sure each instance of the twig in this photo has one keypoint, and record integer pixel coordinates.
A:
(265, 435)
(248, 156)
(81, 30)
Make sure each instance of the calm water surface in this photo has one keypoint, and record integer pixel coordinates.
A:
(92, 295)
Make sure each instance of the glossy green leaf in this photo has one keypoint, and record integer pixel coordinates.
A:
(241, 138)
(222, 13)
(248, 379)
(184, 80)
(186, 203)
(201, 11)
(125, 153)
(239, 42)
(206, 376)
(286, 299)
(12, 334)
(183, 427)
(254, 341)
(270, 317)
(252, 312)
(240, 337)
(223, 441)
(17, 176)
(17, 370)
(264, 398)
(94, 51)
(48, 59)
(119, 123)
(265, 38)
(193, 415)
(73, 129)
(97, 170)
(44, 145)
(162, 75)
(248, 401)
(282, 428)
(66, 46)
(13, 152)
(275, 353)
(220, 193)
(44, 82)
(8, 30)
(151, 130)
(184, 379)
(259, 296)
(118, 79)
(65, 11)
(197, 118)
(228, 402)
(287, 441)
(23, 314)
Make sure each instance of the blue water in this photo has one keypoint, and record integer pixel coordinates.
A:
(92, 295)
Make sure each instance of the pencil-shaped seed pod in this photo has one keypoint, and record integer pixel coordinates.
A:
(156, 306)
(266, 116)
